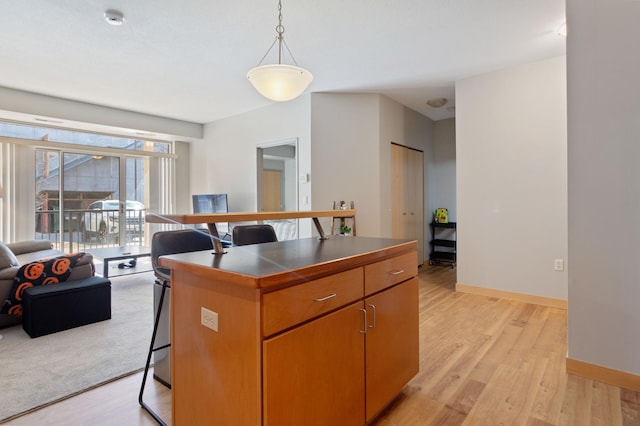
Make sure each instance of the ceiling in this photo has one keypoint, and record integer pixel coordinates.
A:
(188, 59)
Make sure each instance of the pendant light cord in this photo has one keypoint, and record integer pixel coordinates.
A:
(280, 31)
(280, 40)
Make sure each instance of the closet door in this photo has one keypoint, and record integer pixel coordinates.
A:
(416, 203)
(407, 195)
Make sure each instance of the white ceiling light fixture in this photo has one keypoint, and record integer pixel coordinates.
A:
(114, 17)
(437, 102)
(279, 82)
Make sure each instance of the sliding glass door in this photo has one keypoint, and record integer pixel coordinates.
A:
(101, 204)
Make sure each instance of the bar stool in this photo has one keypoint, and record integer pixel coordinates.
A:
(165, 243)
(253, 234)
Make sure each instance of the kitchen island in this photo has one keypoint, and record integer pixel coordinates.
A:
(302, 332)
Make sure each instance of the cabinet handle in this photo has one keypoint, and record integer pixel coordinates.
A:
(322, 299)
(364, 311)
(398, 272)
(373, 308)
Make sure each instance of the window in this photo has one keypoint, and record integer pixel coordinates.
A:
(83, 182)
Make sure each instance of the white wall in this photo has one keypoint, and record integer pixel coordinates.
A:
(511, 151)
(444, 167)
(604, 183)
(346, 160)
(225, 160)
(345, 157)
(351, 153)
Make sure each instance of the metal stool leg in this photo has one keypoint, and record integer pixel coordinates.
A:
(153, 414)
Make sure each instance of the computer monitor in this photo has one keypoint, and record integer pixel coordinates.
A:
(212, 203)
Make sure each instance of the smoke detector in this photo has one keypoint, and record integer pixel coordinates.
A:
(114, 17)
(437, 102)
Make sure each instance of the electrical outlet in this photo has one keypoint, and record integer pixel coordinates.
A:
(558, 265)
(209, 318)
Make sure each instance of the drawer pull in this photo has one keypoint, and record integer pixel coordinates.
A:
(322, 299)
(364, 331)
(398, 272)
(373, 308)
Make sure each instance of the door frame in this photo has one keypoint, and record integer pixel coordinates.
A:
(289, 177)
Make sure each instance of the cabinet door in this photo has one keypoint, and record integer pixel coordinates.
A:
(399, 196)
(407, 195)
(392, 357)
(314, 374)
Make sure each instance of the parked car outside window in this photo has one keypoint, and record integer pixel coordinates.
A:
(101, 220)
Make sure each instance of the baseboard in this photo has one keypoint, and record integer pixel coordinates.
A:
(520, 297)
(603, 374)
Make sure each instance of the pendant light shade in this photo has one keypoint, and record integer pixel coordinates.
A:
(280, 82)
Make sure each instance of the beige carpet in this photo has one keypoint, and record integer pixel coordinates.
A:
(35, 372)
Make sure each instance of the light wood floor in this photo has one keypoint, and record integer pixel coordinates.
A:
(484, 361)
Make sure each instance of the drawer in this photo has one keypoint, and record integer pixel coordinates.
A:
(290, 306)
(386, 273)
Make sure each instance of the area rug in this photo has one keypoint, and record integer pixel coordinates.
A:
(36, 372)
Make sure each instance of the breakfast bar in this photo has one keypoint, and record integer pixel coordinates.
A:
(211, 219)
(315, 331)
(310, 331)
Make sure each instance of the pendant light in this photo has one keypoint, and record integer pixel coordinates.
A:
(279, 82)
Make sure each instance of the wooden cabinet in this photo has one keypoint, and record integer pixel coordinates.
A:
(407, 195)
(392, 344)
(314, 374)
(331, 340)
(333, 373)
(386, 324)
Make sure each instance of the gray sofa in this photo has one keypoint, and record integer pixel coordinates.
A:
(13, 255)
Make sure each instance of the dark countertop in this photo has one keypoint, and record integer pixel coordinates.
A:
(271, 264)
